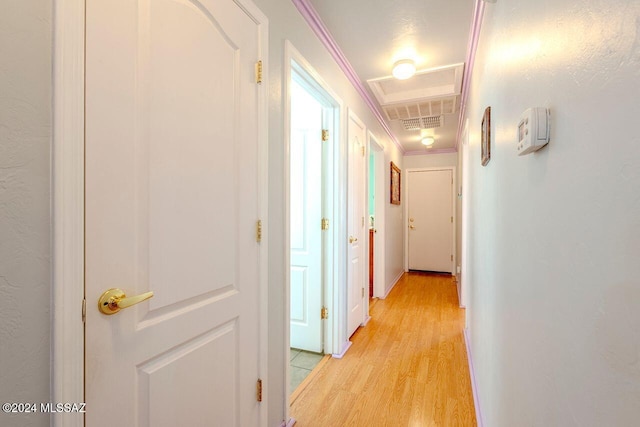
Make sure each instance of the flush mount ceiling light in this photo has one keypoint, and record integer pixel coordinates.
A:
(404, 69)
(428, 141)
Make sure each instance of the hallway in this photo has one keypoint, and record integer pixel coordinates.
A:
(407, 367)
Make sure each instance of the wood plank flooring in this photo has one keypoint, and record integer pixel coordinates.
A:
(407, 367)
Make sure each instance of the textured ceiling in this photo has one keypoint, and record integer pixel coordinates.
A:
(373, 34)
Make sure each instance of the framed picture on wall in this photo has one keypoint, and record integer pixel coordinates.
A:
(395, 184)
(486, 136)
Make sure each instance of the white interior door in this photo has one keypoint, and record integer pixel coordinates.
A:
(356, 225)
(172, 201)
(431, 220)
(306, 216)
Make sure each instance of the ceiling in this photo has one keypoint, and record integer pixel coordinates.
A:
(373, 34)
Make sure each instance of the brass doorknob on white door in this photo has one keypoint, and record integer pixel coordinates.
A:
(352, 239)
(113, 300)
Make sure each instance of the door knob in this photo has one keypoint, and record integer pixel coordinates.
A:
(352, 239)
(113, 300)
(412, 227)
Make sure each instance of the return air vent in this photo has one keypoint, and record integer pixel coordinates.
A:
(423, 123)
(427, 108)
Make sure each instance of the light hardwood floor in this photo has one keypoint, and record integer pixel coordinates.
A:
(407, 367)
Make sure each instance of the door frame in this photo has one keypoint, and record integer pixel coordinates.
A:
(453, 212)
(374, 147)
(334, 270)
(68, 175)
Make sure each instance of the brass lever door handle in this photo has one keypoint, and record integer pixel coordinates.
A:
(352, 239)
(113, 300)
(412, 227)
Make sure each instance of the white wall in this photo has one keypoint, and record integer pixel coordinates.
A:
(394, 228)
(554, 239)
(431, 161)
(25, 132)
(285, 22)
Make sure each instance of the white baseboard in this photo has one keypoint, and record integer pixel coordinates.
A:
(472, 374)
(395, 282)
(344, 350)
(459, 288)
(366, 321)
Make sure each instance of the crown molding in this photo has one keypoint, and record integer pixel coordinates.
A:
(472, 46)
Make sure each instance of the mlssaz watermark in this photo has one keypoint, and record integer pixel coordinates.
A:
(45, 408)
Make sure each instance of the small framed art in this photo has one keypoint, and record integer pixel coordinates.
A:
(486, 136)
(395, 184)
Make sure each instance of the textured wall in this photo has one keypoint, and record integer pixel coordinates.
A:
(554, 237)
(25, 131)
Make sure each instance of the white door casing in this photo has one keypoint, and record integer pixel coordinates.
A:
(334, 204)
(356, 136)
(173, 195)
(306, 189)
(430, 220)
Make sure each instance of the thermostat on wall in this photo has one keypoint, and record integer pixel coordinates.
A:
(534, 130)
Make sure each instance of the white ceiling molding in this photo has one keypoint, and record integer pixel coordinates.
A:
(439, 82)
(472, 47)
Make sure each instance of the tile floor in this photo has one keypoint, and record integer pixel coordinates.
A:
(301, 364)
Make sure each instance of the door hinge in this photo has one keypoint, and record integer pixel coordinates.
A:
(325, 135)
(84, 310)
(259, 72)
(324, 313)
(362, 292)
(451, 257)
(362, 150)
(363, 221)
(451, 220)
(325, 224)
(259, 390)
(259, 231)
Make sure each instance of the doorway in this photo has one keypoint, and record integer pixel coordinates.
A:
(430, 220)
(306, 155)
(312, 215)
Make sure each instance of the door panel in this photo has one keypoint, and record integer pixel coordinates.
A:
(177, 367)
(171, 207)
(306, 215)
(430, 220)
(356, 225)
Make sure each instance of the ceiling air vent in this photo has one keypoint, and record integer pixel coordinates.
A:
(429, 122)
(414, 110)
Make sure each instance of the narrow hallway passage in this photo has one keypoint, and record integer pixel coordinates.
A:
(407, 367)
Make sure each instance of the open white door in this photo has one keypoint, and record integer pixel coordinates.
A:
(172, 203)
(356, 135)
(430, 200)
(306, 216)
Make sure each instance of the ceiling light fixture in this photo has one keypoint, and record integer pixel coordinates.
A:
(404, 69)
(428, 141)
